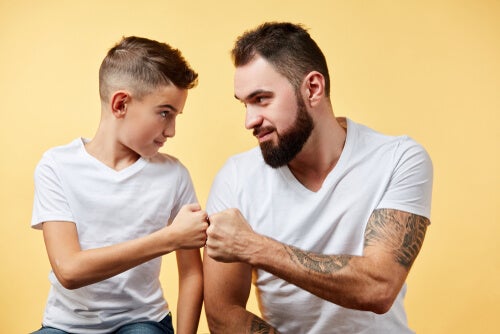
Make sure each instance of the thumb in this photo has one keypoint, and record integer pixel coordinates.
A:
(192, 207)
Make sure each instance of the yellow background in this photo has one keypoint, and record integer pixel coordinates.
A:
(430, 69)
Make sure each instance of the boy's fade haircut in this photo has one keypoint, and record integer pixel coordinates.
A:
(142, 65)
(286, 46)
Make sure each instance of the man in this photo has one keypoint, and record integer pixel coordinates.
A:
(329, 215)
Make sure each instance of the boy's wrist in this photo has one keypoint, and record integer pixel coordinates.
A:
(167, 241)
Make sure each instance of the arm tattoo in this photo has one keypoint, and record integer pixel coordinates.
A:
(259, 326)
(402, 233)
(320, 263)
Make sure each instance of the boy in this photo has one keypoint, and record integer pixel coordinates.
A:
(104, 204)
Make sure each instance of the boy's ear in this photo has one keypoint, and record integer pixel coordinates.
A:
(119, 101)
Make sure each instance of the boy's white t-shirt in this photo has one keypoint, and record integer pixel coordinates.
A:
(374, 171)
(108, 207)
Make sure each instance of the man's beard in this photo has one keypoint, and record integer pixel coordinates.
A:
(290, 143)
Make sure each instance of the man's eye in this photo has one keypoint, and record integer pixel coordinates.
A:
(164, 114)
(261, 99)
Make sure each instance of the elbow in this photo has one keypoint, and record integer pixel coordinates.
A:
(214, 321)
(68, 277)
(380, 300)
(69, 283)
(381, 306)
(218, 319)
(377, 297)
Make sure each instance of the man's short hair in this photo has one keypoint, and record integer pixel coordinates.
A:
(286, 46)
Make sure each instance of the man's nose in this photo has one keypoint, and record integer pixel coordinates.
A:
(253, 118)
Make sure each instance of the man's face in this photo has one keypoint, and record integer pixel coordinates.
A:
(290, 141)
(279, 119)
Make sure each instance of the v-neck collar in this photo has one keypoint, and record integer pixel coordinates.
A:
(118, 174)
(350, 141)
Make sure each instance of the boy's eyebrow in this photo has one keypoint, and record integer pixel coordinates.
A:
(252, 94)
(168, 106)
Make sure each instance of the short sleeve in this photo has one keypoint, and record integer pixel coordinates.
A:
(185, 191)
(50, 203)
(410, 187)
(222, 194)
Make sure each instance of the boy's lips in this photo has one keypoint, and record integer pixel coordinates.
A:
(160, 142)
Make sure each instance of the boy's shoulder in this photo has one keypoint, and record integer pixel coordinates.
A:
(163, 158)
(70, 148)
(168, 165)
(166, 161)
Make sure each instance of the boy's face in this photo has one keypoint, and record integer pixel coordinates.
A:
(148, 122)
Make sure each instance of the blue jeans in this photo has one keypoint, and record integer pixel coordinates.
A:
(145, 327)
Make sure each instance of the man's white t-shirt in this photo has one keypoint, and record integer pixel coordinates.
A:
(108, 207)
(374, 171)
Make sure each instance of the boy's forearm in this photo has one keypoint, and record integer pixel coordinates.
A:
(76, 268)
(190, 290)
(189, 305)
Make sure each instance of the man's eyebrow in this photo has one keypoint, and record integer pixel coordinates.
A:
(252, 95)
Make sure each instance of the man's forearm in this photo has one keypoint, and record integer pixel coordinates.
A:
(329, 277)
(257, 325)
(238, 320)
(368, 282)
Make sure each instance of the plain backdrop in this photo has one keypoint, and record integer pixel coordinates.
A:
(428, 69)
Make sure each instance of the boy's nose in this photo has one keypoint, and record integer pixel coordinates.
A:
(169, 130)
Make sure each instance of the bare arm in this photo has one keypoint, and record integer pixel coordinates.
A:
(369, 282)
(226, 291)
(75, 267)
(190, 290)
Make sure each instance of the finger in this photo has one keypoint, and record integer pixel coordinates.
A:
(204, 226)
(209, 230)
(193, 207)
(204, 216)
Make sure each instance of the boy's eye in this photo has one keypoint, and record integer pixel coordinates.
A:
(164, 114)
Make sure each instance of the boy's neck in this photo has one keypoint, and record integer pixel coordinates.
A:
(111, 152)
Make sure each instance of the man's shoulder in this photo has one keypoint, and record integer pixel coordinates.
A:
(247, 160)
(371, 137)
(244, 164)
(254, 154)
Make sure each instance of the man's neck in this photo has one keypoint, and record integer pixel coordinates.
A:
(320, 154)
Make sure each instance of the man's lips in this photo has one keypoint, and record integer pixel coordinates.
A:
(262, 134)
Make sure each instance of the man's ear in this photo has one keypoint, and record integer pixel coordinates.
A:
(119, 101)
(314, 87)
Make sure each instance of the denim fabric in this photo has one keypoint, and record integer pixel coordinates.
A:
(146, 327)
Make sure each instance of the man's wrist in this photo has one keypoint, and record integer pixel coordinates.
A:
(261, 246)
